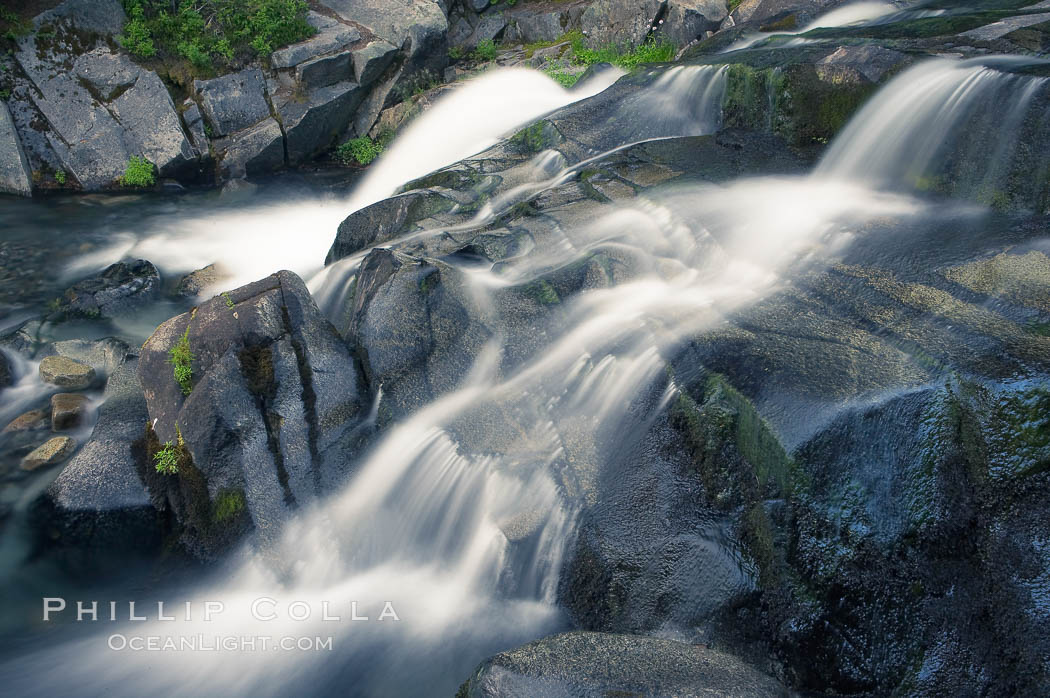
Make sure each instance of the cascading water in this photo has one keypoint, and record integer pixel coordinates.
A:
(852, 13)
(251, 244)
(911, 134)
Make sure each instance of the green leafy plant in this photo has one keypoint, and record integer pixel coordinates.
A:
(456, 53)
(210, 33)
(138, 173)
(362, 150)
(181, 359)
(5, 94)
(485, 50)
(60, 176)
(166, 460)
(229, 301)
(652, 51)
(561, 76)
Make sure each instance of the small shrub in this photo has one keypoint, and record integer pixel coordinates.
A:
(362, 150)
(486, 50)
(138, 173)
(651, 51)
(229, 505)
(181, 359)
(60, 177)
(229, 301)
(456, 53)
(166, 460)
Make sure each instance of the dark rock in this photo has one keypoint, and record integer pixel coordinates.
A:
(67, 410)
(122, 288)
(857, 63)
(15, 177)
(326, 70)
(438, 332)
(275, 396)
(596, 664)
(255, 150)
(233, 102)
(384, 221)
(687, 20)
(7, 377)
(194, 121)
(314, 125)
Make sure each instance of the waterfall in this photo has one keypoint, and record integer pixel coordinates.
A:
(949, 126)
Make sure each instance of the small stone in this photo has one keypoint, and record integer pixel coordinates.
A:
(53, 451)
(66, 373)
(30, 421)
(67, 410)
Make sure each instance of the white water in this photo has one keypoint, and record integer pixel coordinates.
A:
(906, 134)
(253, 243)
(853, 13)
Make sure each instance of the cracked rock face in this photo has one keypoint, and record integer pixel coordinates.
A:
(275, 397)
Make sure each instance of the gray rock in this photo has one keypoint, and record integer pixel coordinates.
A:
(313, 126)
(105, 17)
(419, 25)
(540, 25)
(687, 20)
(99, 500)
(619, 21)
(107, 74)
(255, 150)
(581, 664)
(152, 126)
(103, 355)
(372, 60)
(122, 288)
(488, 29)
(331, 36)
(325, 71)
(66, 373)
(858, 63)
(233, 102)
(477, 5)
(15, 177)
(275, 394)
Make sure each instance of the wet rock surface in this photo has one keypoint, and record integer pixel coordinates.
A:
(264, 425)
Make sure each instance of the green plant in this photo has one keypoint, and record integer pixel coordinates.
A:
(229, 301)
(138, 173)
(362, 150)
(5, 94)
(166, 460)
(210, 32)
(652, 51)
(561, 76)
(228, 505)
(181, 359)
(12, 25)
(456, 53)
(60, 176)
(485, 50)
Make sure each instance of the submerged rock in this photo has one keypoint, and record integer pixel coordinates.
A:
(66, 373)
(263, 416)
(67, 410)
(595, 664)
(52, 452)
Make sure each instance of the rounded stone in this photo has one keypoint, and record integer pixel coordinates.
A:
(66, 373)
(29, 421)
(67, 410)
(51, 452)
